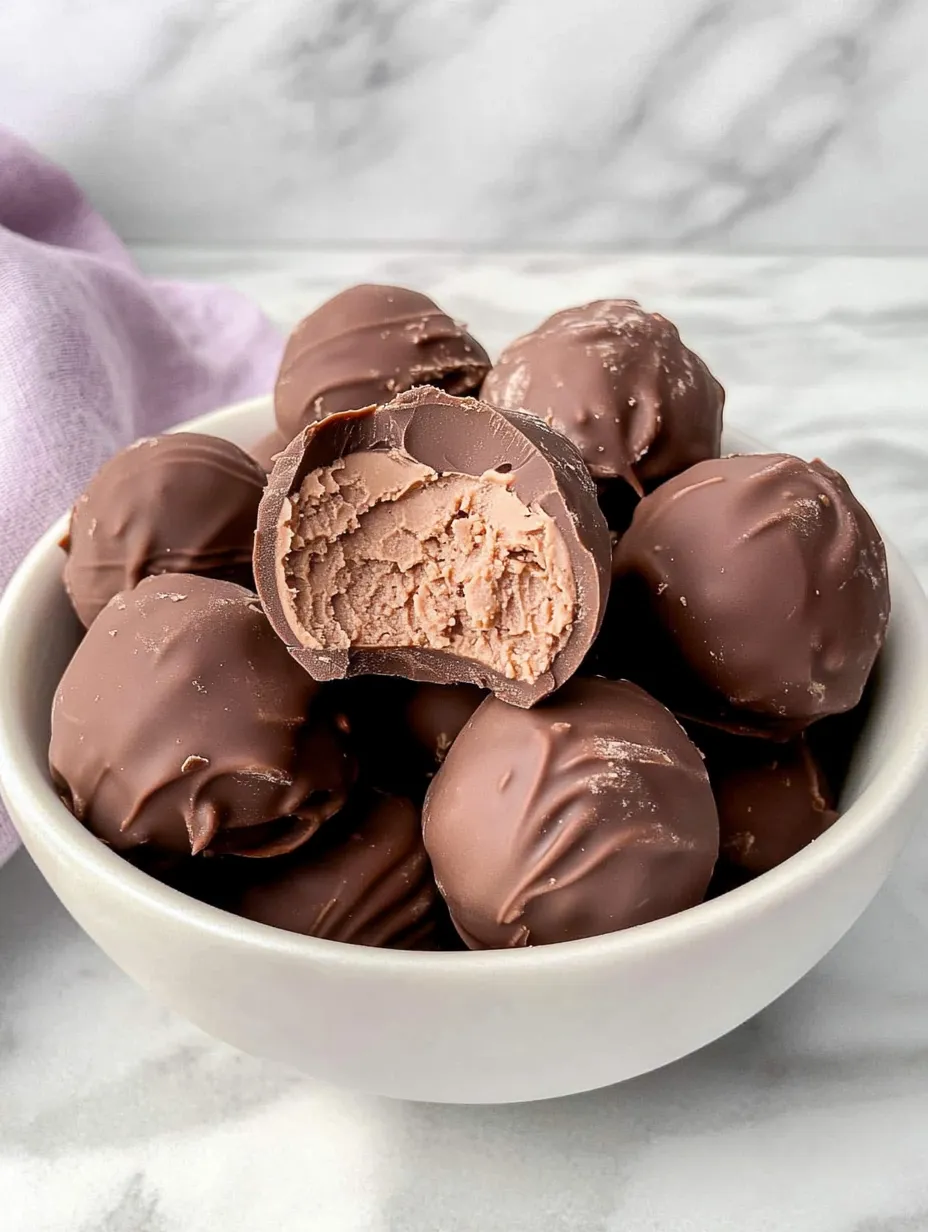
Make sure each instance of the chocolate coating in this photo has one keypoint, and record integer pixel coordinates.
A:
(750, 593)
(435, 715)
(638, 404)
(181, 503)
(589, 813)
(365, 880)
(181, 726)
(365, 346)
(773, 798)
(440, 439)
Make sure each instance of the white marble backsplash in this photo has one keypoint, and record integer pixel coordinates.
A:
(751, 124)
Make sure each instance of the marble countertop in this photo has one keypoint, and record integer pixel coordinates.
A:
(719, 125)
(116, 1116)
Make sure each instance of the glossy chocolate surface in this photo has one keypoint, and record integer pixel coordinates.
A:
(181, 725)
(365, 880)
(181, 503)
(589, 813)
(750, 593)
(365, 346)
(639, 405)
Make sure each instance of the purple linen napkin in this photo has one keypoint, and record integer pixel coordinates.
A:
(93, 354)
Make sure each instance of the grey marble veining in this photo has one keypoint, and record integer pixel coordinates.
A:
(116, 1116)
(744, 123)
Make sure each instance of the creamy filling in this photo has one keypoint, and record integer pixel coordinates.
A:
(381, 551)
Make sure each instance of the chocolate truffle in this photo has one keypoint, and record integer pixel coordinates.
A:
(365, 879)
(750, 593)
(435, 538)
(589, 813)
(366, 345)
(617, 380)
(773, 798)
(266, 450)
(181, 725)
(181, 503)
(435, 715)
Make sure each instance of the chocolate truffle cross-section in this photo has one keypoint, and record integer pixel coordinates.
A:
(436, 538)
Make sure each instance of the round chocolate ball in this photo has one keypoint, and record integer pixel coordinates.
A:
(750, 593)
(773, 798)
(590, 812)
(366, 879)
(364, 346)
(181, 725)
(181, 503)
(638, 404)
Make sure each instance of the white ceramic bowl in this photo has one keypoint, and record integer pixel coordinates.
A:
(473, 1027)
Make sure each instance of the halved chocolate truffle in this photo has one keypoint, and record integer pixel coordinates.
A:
(589, 813)
(435, 538)
(617, 380)
(365, 346)
(750, 593)
(181, 503)
(773, 798)
(366, 879)
(181, 725)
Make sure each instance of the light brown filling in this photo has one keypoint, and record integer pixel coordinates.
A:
(381, 551)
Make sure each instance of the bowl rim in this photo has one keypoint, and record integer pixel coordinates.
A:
(27, 791)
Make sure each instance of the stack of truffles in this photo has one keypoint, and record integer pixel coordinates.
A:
(492, 657)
